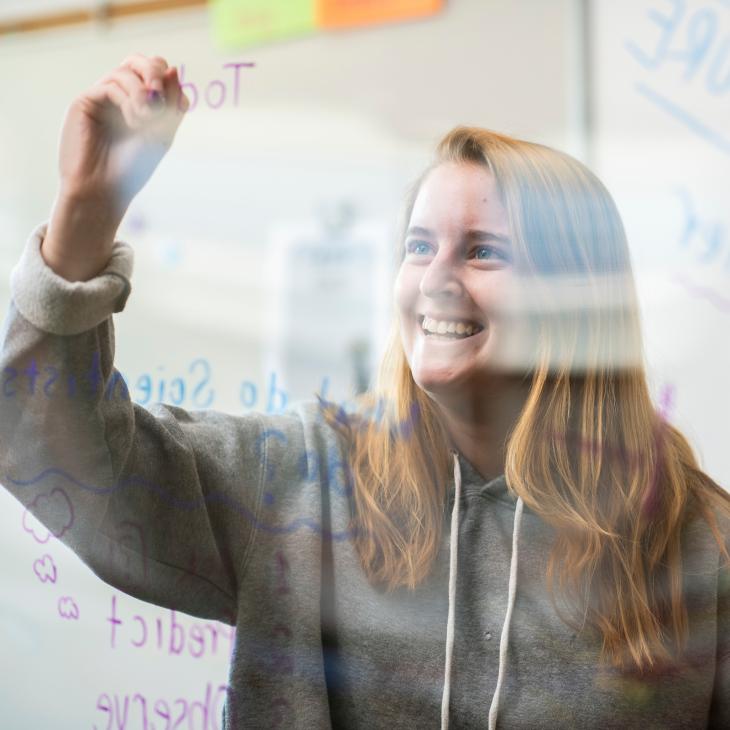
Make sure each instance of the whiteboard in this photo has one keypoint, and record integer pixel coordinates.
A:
(661, 142)
(330, 122)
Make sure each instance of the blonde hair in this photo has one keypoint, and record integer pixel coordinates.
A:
(617, 553)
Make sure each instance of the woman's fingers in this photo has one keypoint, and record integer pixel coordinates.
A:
(142, 95)
(132, 85)
(148, 88)
(143, 79)
(110, 92)
(168, 109)
(150, 70)
(174, 96)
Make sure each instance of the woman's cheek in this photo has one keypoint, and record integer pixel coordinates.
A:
(398, 290)
(406, 288)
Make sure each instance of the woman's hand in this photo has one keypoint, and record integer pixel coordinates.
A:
(116, 133)
(114, 136)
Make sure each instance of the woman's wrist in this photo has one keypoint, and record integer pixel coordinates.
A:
(80, 236)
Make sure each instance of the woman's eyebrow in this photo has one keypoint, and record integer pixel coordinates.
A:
(475, 235)
(418, 231)
(471, 235)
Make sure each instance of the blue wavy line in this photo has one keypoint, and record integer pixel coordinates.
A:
(187, 504)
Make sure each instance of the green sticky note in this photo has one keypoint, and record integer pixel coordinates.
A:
(240, 23)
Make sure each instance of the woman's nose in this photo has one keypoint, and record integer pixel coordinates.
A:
(441, 279)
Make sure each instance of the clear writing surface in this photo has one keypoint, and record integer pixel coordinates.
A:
(270, 152)
(660, 94)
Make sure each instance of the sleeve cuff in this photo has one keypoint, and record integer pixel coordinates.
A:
(56, 305)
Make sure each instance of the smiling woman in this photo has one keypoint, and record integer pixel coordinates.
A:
(517, 315)
(447, 508)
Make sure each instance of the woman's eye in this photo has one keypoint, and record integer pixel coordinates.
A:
(488, 253)
(418, 247)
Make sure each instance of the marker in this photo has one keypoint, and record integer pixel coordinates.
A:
(154, 98)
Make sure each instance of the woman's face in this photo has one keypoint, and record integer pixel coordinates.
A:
(455, 276)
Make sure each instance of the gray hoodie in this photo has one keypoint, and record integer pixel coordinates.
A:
(245, 519)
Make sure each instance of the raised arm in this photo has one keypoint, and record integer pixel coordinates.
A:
(161, 503)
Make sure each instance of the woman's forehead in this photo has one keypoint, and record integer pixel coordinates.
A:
(459, 194)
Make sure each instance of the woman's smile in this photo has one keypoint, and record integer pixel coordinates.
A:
(448, 329)
(449, 332)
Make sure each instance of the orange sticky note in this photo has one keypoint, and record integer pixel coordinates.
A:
(346, 13)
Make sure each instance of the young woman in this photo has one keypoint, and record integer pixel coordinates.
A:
(505, 532)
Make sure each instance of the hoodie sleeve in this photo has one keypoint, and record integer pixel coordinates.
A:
(160, 503)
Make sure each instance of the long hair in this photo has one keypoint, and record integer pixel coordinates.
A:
(589, 453)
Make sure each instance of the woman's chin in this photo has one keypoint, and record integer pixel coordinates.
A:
(436, 382)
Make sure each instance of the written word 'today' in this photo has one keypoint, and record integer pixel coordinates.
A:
(215, 93)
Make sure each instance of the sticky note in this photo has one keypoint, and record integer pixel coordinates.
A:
(241, 23)
(346, 13)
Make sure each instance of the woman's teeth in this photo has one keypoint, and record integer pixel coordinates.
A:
(456, 330)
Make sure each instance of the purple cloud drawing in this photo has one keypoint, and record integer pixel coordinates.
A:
(67, 608)
(45, 569)
(48, 514)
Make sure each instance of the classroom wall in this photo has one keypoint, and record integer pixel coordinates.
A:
(313, 157)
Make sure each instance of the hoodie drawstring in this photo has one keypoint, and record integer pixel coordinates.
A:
(453, 550)
(453, 569)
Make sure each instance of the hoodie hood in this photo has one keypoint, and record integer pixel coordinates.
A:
(474, 483)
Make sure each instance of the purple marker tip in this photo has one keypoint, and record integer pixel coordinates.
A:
(154, 98)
